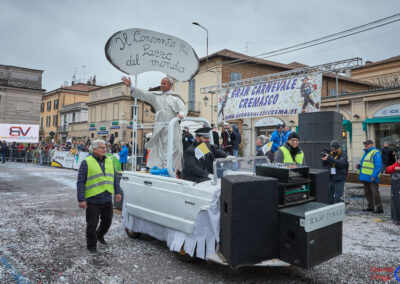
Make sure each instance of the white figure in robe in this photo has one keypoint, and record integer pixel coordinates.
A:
(167, 105)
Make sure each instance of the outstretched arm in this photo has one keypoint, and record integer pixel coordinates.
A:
(138, 93)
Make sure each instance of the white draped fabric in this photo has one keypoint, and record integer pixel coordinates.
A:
(200, 243)
(167, 106)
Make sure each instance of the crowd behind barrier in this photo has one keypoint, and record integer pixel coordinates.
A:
(67, 155)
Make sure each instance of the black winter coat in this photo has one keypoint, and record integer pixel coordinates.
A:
(197, 170)
(341, 164)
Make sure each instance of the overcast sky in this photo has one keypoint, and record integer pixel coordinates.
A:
(63, 37)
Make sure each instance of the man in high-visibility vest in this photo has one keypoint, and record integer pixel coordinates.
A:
(368, 170)
(290, 152)
(97, 181)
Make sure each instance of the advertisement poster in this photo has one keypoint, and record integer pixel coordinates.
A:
(19, 133)
(285, 97)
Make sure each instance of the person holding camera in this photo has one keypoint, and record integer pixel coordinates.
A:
(336, 161)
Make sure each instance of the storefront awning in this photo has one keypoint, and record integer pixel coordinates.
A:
(348, 128)
(388, 119)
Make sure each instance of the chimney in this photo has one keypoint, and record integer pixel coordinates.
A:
(89, 81)
(94, 80)
(73, 80)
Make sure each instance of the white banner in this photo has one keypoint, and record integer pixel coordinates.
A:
(20, 133)
(285, 97)
(135, 51)
(64, 159)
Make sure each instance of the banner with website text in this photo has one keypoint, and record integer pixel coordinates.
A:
(20, 133)
(285, 97)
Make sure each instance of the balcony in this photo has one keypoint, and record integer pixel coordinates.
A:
(193, 108)
(63, 128)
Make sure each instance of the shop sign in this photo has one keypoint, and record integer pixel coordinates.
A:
(103, 128)
(392, 110)
(92, 128)
(268, 121)
(115, 127)
(92, 125)
(102, 132)
(115, 122)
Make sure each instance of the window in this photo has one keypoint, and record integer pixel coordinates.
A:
(48, 105)
(103, 113)
(73, 116)
(41, 123)
(192, 88)
(93, 115)
(42, 107)
(116, 111)
(48, 118)
(332, 92)
(55, 120)
(236, 76)
(56, 104)
(116, 134)
(92, 135)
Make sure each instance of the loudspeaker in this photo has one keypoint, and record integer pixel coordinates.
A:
(321, 126)
(319, 186)
(307, 249)
(395, 199)
(249, 219)
(312, 152)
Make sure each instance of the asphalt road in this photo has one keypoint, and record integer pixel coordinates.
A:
(42, 240)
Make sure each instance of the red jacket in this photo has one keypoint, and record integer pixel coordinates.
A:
(390, 169)
(21, 147)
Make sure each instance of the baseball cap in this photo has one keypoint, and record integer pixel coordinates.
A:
(368, 142)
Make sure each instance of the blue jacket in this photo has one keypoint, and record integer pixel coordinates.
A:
(123, 155)
(277, 139)
(377, 166)
(102, 198)
(286, 135)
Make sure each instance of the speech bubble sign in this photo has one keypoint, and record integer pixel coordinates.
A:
(135, 51)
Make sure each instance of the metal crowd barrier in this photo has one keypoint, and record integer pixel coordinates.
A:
(29, 156)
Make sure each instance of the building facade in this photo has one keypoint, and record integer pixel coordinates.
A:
(110, 111)
(225, 66)
(52, 104)
(73, 113)
(20, 95)
(374, 114)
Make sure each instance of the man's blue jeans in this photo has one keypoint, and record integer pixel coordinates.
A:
(336, 189)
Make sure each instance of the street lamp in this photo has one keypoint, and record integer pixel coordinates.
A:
(197, 24)
(205, 100)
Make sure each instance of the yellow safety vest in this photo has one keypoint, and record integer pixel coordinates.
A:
(367, 167)
(97, 181)
(287, 158)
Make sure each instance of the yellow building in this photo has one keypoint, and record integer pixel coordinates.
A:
(52, 103)
(110, 112)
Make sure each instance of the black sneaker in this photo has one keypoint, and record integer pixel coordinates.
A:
(368, 209)
(92, 251)
(102, 241)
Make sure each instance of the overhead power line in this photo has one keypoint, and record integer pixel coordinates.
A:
(346, 33)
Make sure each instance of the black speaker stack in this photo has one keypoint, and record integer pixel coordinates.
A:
(249, 219)
(316, 131)
(257, 223)
(307, 249)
